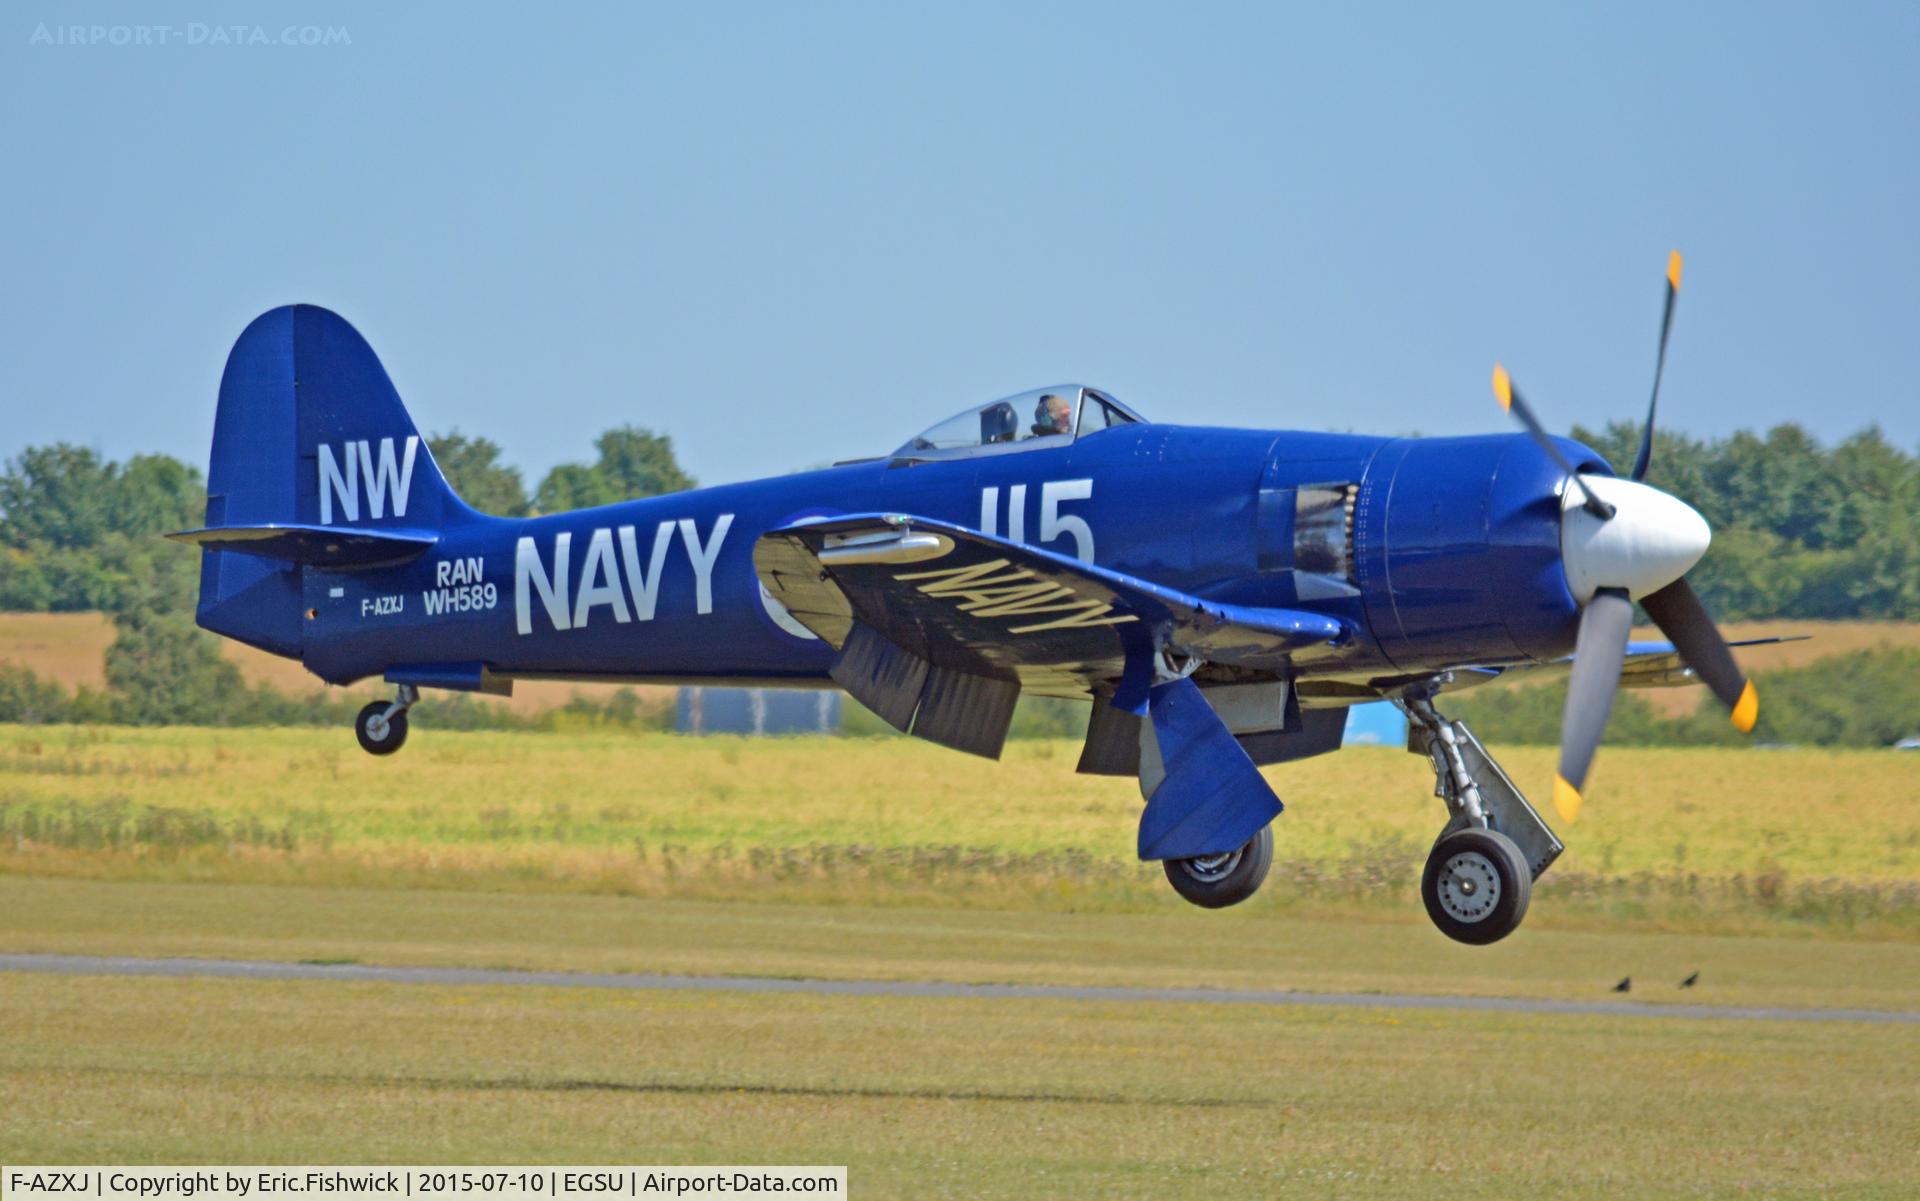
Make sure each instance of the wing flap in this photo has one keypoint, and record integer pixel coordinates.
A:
(966, 712)
(880, 675)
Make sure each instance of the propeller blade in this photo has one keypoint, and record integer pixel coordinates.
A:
(1677, 610)
(1644, 459)
(1597, 659)
(1511, 400)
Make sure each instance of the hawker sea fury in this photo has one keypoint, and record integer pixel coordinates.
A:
(1219, 596)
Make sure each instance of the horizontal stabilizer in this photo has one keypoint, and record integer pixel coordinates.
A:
(313, 545)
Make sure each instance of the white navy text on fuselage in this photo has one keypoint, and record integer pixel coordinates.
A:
(612, 573)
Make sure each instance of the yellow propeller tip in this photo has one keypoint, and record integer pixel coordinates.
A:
(1747, 710)
(1673, 270)
(1566, 798)
(1502, 387)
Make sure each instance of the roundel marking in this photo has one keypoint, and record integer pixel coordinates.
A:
(770, 605)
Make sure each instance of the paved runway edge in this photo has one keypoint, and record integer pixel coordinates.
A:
(247, 969)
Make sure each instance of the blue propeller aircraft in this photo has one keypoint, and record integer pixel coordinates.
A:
(1220, 596)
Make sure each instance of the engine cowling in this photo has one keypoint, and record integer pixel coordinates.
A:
(1458, 550)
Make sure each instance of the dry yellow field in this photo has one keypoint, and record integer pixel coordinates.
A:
(70, 649)
(1823, 640)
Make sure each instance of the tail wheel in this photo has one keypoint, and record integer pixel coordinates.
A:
(1476, 886)
(1217, 881)
(381, 728)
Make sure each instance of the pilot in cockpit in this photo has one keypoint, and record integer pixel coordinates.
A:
(1053, 415)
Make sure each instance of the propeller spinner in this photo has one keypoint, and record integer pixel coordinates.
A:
(1623, 541)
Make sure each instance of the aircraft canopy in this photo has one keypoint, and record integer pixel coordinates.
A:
(1029, 421)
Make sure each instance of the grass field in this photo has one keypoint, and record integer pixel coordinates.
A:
(1686, 839)
(1389, 950)
(1784, 878)
(937, 1098)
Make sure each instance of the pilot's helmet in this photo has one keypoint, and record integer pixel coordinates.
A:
(1052, 414)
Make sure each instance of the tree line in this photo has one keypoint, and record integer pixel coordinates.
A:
(78, 533)
(630, 463)
(1801, 530)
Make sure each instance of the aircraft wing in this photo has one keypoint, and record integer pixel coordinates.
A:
(1648, 664)
(1658, 665)
(887, 590)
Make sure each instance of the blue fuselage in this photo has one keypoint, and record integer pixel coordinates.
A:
(1440, 552)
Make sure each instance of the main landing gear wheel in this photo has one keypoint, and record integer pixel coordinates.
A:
(1476, 886)
(381, 728)
(1217, 881)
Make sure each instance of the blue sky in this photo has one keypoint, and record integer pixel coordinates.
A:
(791, 233)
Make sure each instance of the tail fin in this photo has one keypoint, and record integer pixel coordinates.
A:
(310, 437)
(310, 431)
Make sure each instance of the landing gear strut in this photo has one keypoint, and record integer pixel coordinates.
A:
(1480, 873)
(382, 725)
(1217, 881)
